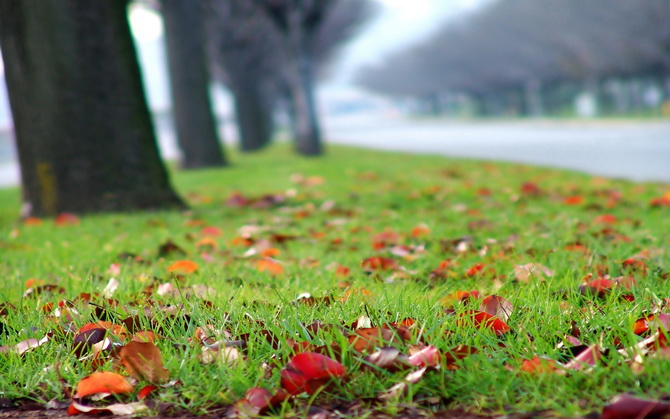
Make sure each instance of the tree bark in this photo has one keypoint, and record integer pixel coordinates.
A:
(84, 135)
(254, 116)
(307, 131)
(189, 81)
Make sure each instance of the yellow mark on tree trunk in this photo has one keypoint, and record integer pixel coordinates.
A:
(47, 183)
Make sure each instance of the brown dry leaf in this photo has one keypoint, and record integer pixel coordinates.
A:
(143, 361)
(524, 273)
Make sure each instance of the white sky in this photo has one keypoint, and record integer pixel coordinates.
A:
(397, 24)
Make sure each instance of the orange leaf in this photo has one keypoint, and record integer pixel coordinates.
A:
(183, 267)
(538, 365)
(32, 221)
(103, 382)
(573, 200)
(420, 231)
(270, 252)
(269, 265)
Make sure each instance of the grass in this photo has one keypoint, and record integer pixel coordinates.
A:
(334, 223)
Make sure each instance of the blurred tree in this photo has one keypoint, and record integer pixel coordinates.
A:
(197, 133)
(522, 56)
(296, 21)
(255, 56)
(246, 57)
(84, 135)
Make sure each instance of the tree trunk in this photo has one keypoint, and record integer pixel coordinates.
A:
(307, 130)
(533, 98)
(189, 81)
(84, 135)
(254, 117)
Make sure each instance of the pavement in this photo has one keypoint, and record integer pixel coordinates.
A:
(635, 150)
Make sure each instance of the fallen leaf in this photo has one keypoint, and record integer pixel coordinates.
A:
(482, 319)
(523, 273)
(118, 409)
(270, 266)
(587, 358)
(308, 372)
(103, 382)
(625, 406)
(497, 306)
(257, 401)
(538, 365)
(377, 263)
(183, 267)
(143, 361)
(427, 357)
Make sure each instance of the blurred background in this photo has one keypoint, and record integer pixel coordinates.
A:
(580, 84)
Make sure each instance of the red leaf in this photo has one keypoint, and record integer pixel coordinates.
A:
(475, 270)
(587, 357)
(65, 218)
(624, 406)
(456, 354)
(309, 371)
(606, 219)
(497, 306)
(481, 319)
(145, 391)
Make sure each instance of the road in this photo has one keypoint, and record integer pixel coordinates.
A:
(638, 151)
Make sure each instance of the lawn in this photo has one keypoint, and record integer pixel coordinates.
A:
(430, 284)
